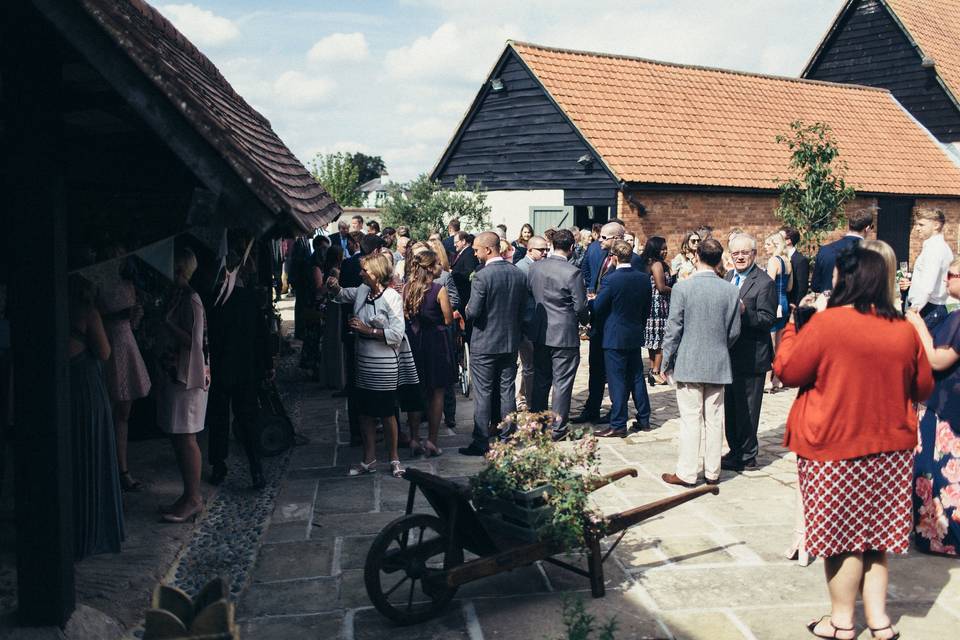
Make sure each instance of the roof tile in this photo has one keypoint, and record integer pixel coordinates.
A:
(934, 25)
(655, 122)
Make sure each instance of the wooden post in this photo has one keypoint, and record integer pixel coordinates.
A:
(37, 250)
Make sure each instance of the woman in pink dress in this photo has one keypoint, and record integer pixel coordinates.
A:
(126, 372)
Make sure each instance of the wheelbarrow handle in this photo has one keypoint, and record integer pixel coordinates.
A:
(602, 481)
(620, 521)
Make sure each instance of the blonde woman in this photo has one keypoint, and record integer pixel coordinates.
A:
(386, 376)
(890, 259)
(182, 398)
(781, 272)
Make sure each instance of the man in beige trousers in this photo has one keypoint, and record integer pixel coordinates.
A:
(704, 323)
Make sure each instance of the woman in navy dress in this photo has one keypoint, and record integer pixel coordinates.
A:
(936, 477)
(428, 313)
(781, 272)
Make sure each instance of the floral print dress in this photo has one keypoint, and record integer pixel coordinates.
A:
(936, 496)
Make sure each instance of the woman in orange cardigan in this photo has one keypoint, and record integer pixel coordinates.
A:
(860, 367)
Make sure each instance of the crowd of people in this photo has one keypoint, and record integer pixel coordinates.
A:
(865, 341)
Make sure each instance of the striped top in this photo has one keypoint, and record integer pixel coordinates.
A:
(383, 364)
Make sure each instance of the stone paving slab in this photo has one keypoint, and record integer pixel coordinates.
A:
(711, 569)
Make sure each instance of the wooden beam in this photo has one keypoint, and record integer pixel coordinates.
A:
(37, 246)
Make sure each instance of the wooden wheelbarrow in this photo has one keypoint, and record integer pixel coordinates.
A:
(429, 551)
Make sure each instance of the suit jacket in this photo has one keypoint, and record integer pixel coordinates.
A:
(238, 339)
(462, 267)
(590, 267)
(350, 272)
(497, 304)
(559, 303)
(801, 277)
(622, 307)
(636, 262)
(449, 243)
(752, 353)
(826, 260)
(704, 323)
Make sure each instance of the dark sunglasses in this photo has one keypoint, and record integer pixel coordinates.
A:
(951, 276)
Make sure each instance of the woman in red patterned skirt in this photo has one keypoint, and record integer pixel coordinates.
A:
(859, 366)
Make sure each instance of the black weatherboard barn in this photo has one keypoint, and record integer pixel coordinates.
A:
(515, 137)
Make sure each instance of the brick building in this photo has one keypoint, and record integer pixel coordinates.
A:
(565, 137)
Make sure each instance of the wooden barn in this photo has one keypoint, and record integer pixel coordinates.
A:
(111, 124)
(562, 137)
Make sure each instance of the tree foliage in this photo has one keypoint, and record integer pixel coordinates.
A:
(368, 167)
(339, 176)
(812, 201)
(425, 206)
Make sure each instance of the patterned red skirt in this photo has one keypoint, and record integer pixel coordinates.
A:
(857, 505)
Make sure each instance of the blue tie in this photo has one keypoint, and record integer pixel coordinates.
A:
(737, 279)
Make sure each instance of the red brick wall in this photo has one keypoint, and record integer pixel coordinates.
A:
(673, 213)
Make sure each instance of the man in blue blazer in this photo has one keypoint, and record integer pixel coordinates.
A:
(859, 223)
(621, 307)
(602, 265)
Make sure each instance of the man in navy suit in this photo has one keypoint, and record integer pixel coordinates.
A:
(859, 223)
(800, 265)
(621, 308)
(595, 268)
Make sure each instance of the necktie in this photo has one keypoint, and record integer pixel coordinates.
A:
(737, 279)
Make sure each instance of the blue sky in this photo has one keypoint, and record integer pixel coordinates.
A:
(395, 78)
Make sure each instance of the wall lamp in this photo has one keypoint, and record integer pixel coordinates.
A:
(496, 85)
(585, 161)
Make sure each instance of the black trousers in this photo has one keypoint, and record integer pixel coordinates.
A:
(741, 408)
(597, 382)
(242, 399)
(350, 368)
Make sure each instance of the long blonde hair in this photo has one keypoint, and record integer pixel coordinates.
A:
(420, 271)
(889, 259)
(778, 242)
(441, 252)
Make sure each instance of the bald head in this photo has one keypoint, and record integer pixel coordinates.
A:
(486, 245)
(609, 233)
(536, 248)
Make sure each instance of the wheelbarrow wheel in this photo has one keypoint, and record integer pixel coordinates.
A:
(404, 571)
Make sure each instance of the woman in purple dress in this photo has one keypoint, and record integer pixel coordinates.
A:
(427, 311)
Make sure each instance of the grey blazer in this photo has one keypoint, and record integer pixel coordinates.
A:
(497, 303)
(559, 303)
(704, 323)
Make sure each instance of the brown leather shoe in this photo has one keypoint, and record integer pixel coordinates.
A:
(671, 478)
(611, 433)
(713, 482)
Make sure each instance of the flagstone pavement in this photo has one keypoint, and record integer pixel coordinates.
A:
(712, 568)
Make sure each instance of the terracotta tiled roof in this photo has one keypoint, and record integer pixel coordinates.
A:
(654, 122)
(934, 26)
(233, 128)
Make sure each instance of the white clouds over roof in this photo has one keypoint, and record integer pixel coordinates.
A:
(339, 47)
(296, 89)
(204, 28)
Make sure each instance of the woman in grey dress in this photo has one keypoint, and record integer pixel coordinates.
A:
(97, 500)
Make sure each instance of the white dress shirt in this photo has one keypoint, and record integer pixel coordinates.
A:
(928, 284)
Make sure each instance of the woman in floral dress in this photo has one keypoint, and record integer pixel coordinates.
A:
(655, 259)
(936, 496)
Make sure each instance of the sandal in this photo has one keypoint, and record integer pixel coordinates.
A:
(432, 450)
(363, 468)
(397, 469)
(130, 484)
(813, 625)
(873, 632)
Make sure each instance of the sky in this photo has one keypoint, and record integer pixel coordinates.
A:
(395, 78)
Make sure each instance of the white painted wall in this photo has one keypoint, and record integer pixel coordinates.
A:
(512, 208)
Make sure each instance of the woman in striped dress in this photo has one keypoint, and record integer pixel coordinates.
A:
(386, 375)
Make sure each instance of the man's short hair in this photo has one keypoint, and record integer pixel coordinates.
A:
(454, 225)
(373, 224)
(792, 235)
(595, 227)
(370, 244)
(549, 234)
(343, 224)
(710, 252)
(360, 218)
(389, 231)
(470, 238)
(860, 219)
(463, 236)
(623, 251)
(563, 240)
(746, 237)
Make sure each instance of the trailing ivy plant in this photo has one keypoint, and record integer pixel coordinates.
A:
(812, 200)
(529, 459)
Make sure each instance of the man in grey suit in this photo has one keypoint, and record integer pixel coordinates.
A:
(560, 305)
(496, 308)
(751, 355)
(536, 251)
(704, 323)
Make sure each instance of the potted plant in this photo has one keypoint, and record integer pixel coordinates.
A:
(534, 488)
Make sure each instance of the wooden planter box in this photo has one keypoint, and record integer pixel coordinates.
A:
(520, 517)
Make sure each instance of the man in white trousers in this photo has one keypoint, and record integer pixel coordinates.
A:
(704, 323)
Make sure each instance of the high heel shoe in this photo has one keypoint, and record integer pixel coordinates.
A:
(798, 550)
(397, 469)
(190, 516)
(363, 468)
(432, 450)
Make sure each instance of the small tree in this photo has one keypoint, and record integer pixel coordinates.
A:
(425, 206)
(370, 167)
(339, 176)
(812, 201)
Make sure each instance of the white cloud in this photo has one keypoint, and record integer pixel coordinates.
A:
(339, 47)
(450, 53)
(297, 89)
(204, 28)
(428, 129)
